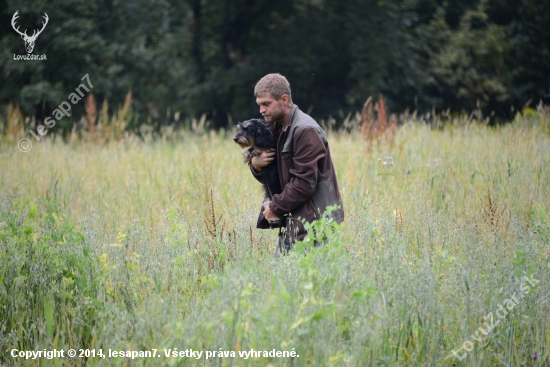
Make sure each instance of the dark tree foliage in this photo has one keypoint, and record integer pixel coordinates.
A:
(204, 57)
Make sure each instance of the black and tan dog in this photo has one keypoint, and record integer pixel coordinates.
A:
(256, 137)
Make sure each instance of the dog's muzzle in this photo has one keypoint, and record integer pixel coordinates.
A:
(242, 141)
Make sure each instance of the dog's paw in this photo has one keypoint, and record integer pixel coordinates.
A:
(256, 152)
(247, 157)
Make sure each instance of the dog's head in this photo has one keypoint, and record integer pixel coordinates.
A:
(252, 133)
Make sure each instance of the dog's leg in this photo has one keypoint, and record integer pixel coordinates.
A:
(247, 155)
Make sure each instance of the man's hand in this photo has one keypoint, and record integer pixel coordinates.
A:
(268, 214)
(265, 158)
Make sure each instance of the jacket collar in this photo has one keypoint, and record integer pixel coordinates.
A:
(293, 111)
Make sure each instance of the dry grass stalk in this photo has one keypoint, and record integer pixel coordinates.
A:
(382, 116)
(398, 216)
(382, 129)
(90, 106)
(256, 245)
(367, 120)
(495, 214)
(16, 123)
(393, 126)
(215, 226)
(104, 117)
(123, 117)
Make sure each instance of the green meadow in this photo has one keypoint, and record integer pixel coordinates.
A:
(149, 244)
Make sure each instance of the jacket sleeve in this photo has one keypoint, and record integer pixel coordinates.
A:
(257, 175)
(308, 150)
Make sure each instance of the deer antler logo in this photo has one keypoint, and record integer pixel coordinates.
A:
(29, 40)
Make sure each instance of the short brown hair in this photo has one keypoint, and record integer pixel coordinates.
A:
(274, 84)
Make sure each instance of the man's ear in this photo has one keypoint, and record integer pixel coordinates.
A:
(285, 98)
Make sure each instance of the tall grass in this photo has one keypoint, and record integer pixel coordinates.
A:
(440, 228)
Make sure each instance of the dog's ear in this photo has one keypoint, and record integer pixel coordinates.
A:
(245, 124)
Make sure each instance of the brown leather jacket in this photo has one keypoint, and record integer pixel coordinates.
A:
(306, 173)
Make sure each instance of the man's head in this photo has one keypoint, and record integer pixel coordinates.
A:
(273, 96)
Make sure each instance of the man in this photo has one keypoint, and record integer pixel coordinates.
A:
(305, 167)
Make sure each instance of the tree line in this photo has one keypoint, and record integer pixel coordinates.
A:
(194, 57)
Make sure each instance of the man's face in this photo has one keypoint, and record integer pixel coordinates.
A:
(270, 108)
